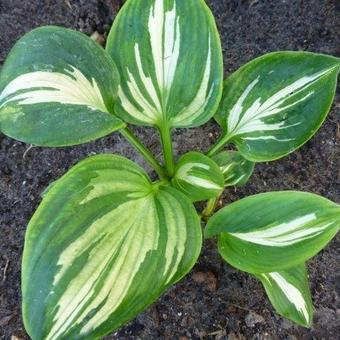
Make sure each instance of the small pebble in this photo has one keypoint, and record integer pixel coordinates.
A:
(253, 318)
(207, 278)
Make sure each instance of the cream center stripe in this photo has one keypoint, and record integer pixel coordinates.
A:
(176, 234)
(185, 173)
(284, 234)
(292, 294)
(164, 32)
(151, 96)
(252, 119)
(71, 87)
(201, 100)
(102, 239)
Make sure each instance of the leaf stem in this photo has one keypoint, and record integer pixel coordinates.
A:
(218, 146)
(137, 144)
(210, 207)
(165, 133)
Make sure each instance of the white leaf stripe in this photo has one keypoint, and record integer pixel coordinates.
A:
(226, 168)
(234, 179)
(270, 137)
(165, 44)
(230, 175)
(201, 100)
(141, 239)
(253, 119)
(202, 182)
(292, 293)
(187, 173)
(274, 231)
(97, 261)
(198, 176)
(146, 96)
(235, 169)
(133, 238)
(285, 234)
(128, 237)
(53, 94)
(176, 235)
(98, 186)
(70, 87)
(185, 169)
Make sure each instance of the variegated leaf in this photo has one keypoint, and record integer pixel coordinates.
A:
(57, 88)
(104, 243)
(198, 177)
(275, 103)
(274, 231)
(289, 293)
(169, 58)
(235, 168)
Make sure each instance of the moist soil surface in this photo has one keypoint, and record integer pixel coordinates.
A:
(214, 301)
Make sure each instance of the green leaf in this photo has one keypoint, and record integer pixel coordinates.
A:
(57, 88)
(103, 245)
(289, 293)
(169, 57)
(198, 177)
(276, 103)
(235, 168)
(274, 231)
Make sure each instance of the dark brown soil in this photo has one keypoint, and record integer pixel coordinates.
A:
(214, 301)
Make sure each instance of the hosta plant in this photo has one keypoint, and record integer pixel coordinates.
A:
(106, 240)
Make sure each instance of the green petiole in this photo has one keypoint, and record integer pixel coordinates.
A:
(165, 133)
(149, 157)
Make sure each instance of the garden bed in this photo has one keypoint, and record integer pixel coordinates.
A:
(215, 301)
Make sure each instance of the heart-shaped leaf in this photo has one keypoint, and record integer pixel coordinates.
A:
(103, 245)
(57, 88)
(274, 231)
(169, 58)
(235, 168)
(289, 293)
(275, 103)
(198, 177)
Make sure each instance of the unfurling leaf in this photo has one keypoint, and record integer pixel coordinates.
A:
(103, 245)
(198, 177)
(275, 103)
(57, 88)
(235, 168)
(274, 231)
(169, 57)
(289, 293)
